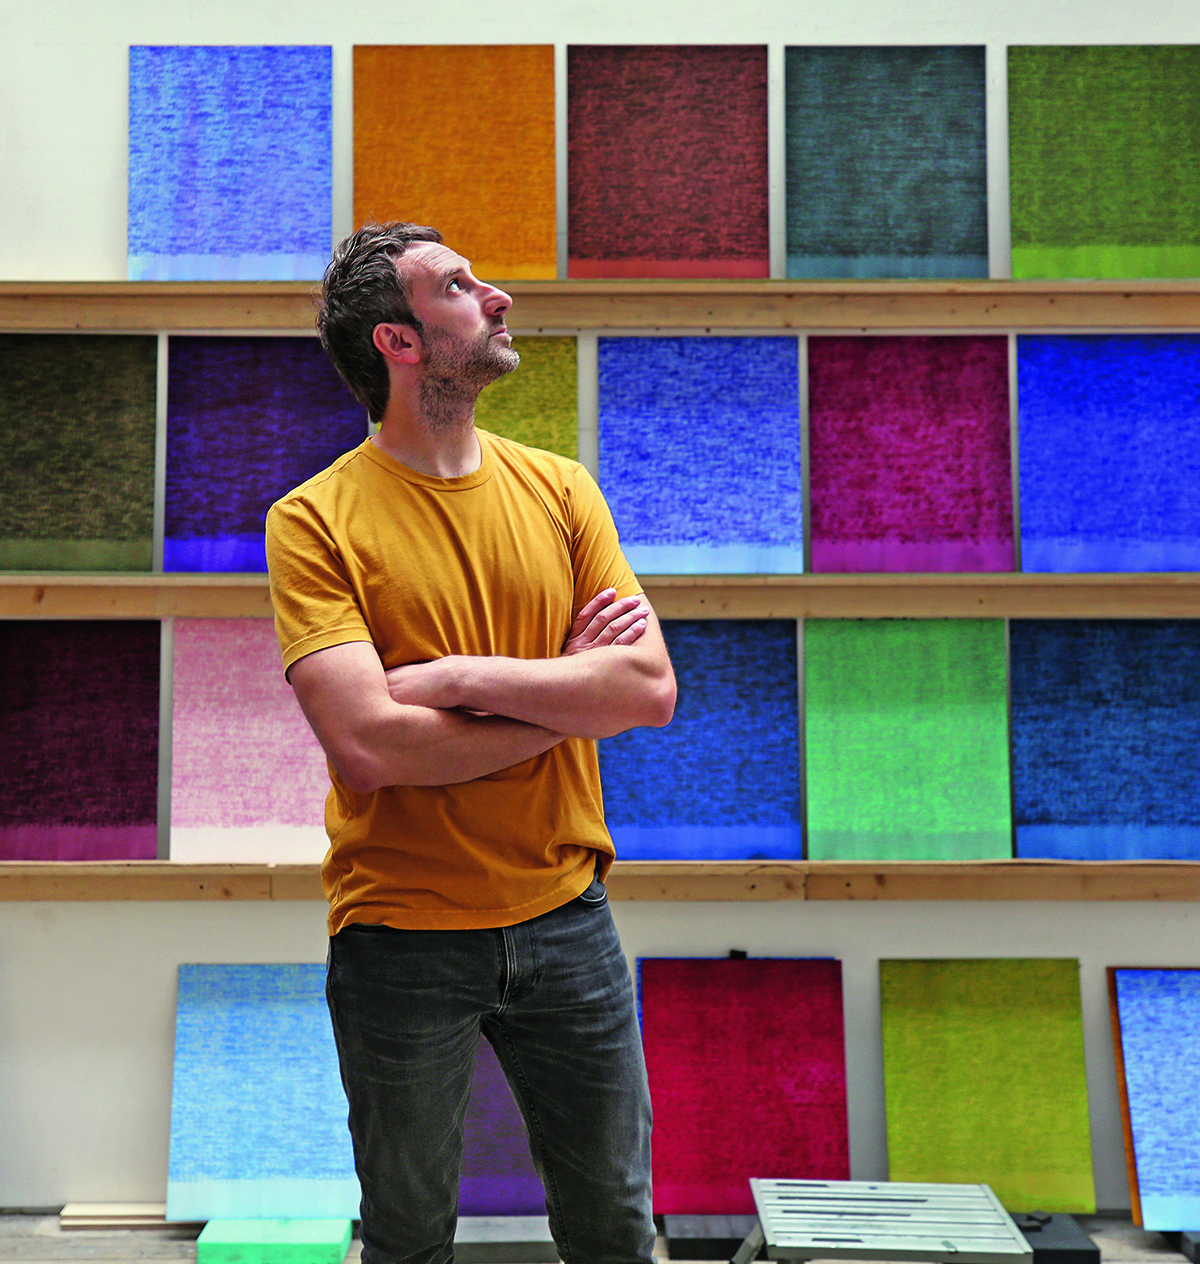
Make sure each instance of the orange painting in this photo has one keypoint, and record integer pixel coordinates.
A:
(461, 137)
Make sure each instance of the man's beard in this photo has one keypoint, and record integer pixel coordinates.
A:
(456, 371)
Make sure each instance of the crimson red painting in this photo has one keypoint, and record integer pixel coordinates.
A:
(747, 1069)
(667, 161)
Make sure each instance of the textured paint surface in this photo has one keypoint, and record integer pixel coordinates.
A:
(667, 161)
(1127, 499)
(258, 1115)
(498, 1178)
(700, 452)
(247, 420)
(984, 1079)
(256, 1102)
(476, 160)
(747, 1071)
(906, 738)
(1160, 1014)
(538, 404)
(78, 739)
(77, 430)
(722, 781)
(1106, 738)
(910, 454)
(248, 777)
(230, 162)
(1104, 147)
(886, 162)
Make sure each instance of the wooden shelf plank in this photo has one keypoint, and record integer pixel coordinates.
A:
(691, 304)
(131, 880)
(113, 596)
(676, 880)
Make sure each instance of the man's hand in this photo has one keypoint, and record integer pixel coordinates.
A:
(605, 620)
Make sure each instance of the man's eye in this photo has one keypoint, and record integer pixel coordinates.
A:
(454, 285)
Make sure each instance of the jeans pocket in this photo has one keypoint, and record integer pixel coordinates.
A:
(595, 895)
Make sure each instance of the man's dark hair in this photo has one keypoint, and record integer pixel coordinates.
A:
(362, 288)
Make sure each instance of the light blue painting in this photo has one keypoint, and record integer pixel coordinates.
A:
(230, 162)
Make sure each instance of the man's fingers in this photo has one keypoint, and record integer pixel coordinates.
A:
(589, 612)
(617, 631)
(632, 633)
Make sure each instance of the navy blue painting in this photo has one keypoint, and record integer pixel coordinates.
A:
(722, 781)
(1106, 738)
(700, 453)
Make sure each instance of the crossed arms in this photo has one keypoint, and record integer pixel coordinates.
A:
(457, 718)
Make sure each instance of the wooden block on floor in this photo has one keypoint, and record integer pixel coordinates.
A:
(273, 1242)
(504, 1240)
(117, 1216)
(705, 1237)
(1058, 1240)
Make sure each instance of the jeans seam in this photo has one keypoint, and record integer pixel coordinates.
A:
(537, 1138)
(507, 966)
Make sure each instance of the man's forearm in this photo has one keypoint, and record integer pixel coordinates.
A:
(420, 746)
(584, 695)
(374, 740)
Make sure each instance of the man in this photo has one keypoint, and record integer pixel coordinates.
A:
(459, 624)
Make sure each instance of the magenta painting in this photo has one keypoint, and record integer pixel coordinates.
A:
(248, 778)
(747, 1067)
(910, 454)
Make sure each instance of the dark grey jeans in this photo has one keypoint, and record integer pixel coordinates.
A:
(553, 996)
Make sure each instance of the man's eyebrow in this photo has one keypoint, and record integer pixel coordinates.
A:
(450, 273)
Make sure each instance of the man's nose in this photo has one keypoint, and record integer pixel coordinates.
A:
(497, 302)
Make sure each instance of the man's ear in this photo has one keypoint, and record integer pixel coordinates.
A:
(400, 344)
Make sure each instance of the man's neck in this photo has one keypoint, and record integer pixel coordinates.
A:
(441, 451)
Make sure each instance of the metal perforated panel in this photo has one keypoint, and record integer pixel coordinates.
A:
(862, 1220)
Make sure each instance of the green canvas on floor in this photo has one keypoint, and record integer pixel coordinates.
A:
(77, 430)
(1104, 149)
(906, 739)
(984, 1079)
(538, 403)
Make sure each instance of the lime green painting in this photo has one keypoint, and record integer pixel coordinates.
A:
(984, 1079)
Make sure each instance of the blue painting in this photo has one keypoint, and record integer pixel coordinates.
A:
(1109, 443)
(1106, 738)
(258, 1113)
(1159, 1013)
(700, 453)
(722, 782)
(230, 162)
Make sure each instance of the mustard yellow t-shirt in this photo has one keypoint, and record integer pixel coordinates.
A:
(495, 562)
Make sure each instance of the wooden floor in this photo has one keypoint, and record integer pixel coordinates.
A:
(31, 1239)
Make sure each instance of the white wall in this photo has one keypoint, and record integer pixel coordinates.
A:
(64, 79)
(87, 1009)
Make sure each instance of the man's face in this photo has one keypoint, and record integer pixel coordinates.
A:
(463, 333)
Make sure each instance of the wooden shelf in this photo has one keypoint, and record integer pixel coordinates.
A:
(1175, 595)
(650, 880)
(132, 306)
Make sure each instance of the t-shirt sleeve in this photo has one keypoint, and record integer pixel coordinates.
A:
(596, 556)
(315, 603)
